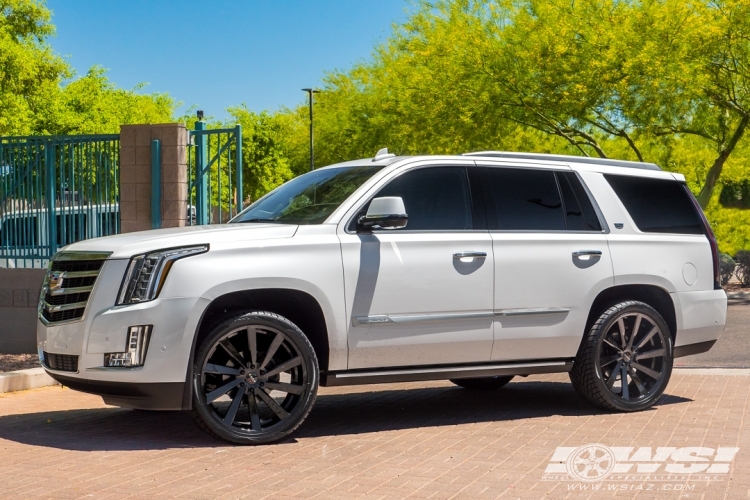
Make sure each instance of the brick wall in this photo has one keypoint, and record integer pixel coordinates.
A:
(19, 294)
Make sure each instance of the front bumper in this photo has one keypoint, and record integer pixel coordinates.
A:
(158, 384)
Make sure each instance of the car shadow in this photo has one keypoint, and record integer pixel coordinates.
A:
(367, 411)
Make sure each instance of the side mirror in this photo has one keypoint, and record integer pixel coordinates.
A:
(384, 213)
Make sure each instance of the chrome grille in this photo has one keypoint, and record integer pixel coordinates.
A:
(68, 285)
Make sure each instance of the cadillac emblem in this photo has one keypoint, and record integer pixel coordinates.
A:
(55, 281)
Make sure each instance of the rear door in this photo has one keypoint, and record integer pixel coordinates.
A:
(551, 259)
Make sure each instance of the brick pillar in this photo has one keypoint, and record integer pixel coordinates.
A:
(135, 175)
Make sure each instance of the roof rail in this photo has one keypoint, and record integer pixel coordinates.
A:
(570, 158)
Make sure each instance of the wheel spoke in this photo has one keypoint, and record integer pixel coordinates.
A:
(252, 343)
(272, 350)
(272, 404)
(224, 370)
(624, 383)
(229, 348)
(217, 393)
(608, 359)
(232, 411)
(252, 405)
(613, 377)
(641, 390)
(611, 345)
(648, 371)
(621, 326)
(283, 387)
(651, 333)
(634, 332)
(656, 353)
(283, 367)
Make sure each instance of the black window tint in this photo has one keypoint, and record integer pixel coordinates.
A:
(580, 213)
(657, 205)
(526, 199)
(435, 198)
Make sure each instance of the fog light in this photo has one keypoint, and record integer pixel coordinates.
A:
(138, 337)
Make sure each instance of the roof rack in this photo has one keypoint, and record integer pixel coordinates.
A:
(570, 158)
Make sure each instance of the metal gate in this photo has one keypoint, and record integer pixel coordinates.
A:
(214, 174)
(55, 190)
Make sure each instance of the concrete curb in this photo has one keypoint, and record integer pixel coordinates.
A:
(738, 295)
(25, 379)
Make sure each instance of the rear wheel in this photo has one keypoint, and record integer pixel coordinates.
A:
(256, 379)
(625, 361)
(482, 383)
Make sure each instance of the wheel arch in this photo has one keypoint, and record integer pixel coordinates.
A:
(655, 296)
(297, 306)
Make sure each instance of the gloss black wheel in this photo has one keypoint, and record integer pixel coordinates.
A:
(256, 378)
(626, 360)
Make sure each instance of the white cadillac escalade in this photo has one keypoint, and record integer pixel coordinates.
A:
(474, 268)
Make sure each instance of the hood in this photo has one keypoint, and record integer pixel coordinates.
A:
(124, 246)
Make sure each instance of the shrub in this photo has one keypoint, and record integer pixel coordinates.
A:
(726, 265)
(743, 267)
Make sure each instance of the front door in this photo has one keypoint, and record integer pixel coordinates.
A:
(412, 297)
(551, 261)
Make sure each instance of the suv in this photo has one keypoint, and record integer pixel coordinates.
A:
(474, 268)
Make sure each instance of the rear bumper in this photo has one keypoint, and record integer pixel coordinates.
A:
(700, 317)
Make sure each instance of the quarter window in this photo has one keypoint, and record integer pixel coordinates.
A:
(435, 198)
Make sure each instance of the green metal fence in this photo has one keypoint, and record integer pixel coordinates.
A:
(215, 174)
(55, 190)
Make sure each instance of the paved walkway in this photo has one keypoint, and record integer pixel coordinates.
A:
(419, 440)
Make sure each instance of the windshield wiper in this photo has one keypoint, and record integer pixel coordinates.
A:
(257, 219)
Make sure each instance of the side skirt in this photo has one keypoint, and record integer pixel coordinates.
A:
(415, 374)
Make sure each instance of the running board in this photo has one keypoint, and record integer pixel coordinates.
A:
(443, 372)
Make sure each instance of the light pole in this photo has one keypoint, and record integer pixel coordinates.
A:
(310, 93)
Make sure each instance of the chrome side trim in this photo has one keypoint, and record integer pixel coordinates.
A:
(528, 312)
(440, 373)
(383, 319)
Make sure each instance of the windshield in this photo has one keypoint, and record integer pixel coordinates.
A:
(309, 198)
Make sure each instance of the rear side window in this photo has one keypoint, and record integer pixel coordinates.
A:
(526, 199)
(579, 212)
(657, 205)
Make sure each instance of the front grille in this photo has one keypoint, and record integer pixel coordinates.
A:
(68, 285)
(61, 362)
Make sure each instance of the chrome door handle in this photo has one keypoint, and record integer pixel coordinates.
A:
(589, 253)
(466, 255)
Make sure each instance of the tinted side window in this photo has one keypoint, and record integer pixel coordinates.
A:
(526, 199)
(579, 212)
(435, 198)
(657, 205)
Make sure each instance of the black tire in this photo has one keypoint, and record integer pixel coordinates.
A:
(629, 340)
(482, 383)
(255, 379)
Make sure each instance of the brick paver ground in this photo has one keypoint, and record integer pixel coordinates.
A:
(419, 440)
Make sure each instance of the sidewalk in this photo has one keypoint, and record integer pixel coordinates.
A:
(417, 440)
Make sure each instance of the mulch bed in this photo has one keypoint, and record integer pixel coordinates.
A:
(13, 362)
(735, 287)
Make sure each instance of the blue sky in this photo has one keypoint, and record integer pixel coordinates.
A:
(216, 53)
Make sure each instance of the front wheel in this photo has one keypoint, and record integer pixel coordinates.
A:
(625, 360)
(255, 379)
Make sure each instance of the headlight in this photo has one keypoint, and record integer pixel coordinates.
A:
(146, 273)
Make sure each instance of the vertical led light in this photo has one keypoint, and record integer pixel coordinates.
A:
(137, 345)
